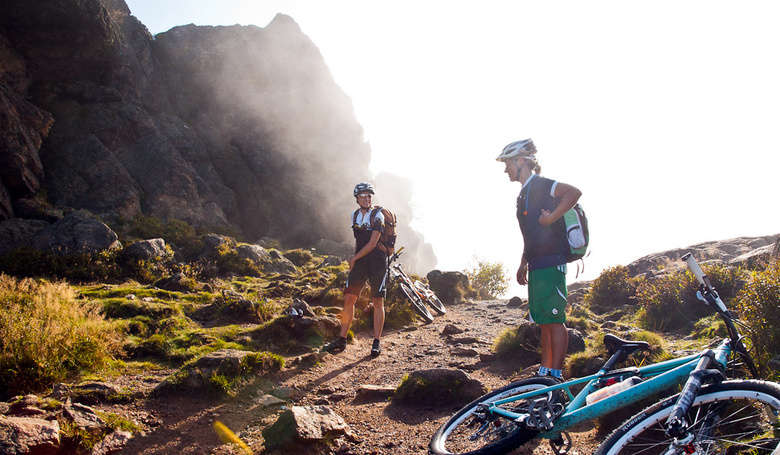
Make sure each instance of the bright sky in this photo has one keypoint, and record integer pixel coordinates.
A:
(665, 113)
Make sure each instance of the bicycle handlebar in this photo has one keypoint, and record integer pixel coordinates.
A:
(694, 267)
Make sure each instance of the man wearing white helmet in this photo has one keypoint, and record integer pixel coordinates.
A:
(369, 263)
(540, 207)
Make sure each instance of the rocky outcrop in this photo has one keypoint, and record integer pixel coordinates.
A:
(29, 435)
(736, 251)
(450, 287)
(31, 426)
(146, 250)
(240, 125)
(16, 233)
(78, 232)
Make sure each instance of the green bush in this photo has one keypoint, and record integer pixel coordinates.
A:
(610, 290)
(669, 301)
(518, 341)
(47, 335)
(488, 279)
(758, 305)
(176, 232)
(230, 263)
(80, 267)
(299, 257)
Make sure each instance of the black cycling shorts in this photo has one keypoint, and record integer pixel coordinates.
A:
(372, 268)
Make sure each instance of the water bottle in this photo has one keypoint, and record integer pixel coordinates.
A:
(613, 389)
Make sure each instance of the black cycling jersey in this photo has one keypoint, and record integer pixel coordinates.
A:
(543, 247)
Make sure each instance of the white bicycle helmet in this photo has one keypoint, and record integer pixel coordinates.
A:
(524, 148)
(363, 187)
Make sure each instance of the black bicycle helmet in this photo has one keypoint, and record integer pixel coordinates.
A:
(363, 187)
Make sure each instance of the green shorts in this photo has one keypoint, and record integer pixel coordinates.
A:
(547, 295)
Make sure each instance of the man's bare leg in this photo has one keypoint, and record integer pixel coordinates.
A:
(348, 313)
(560, 345)
(379, 316)
(546, 345)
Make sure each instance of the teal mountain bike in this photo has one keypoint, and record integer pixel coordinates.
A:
(713, 414)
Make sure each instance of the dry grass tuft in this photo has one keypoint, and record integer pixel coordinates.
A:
(47, 334)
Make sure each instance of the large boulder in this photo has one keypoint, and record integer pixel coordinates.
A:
(439, 387)
(17, 233)
(450, 287)
(29, 436)
(306, 430)
(255, 253)
(77, 232)
(279, 264)
(146, 250)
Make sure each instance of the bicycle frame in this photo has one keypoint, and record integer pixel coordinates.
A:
(662, 376)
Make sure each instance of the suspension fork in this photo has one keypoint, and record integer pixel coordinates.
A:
(676, 424)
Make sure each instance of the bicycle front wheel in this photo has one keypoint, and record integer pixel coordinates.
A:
(733, 417)
(417, 303)
(431, 298)
(435, 303)
(472, 431)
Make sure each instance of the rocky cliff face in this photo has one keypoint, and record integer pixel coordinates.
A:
(240, 126)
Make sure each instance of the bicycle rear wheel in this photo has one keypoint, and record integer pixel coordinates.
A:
(734, 417)
(460, 434)
(417, 303)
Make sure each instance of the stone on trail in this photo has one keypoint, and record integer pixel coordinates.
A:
(515, 302)
(370, 392)
(306, 429)
(29, 436)
(112, 443)
(451, 329)
(269, 401)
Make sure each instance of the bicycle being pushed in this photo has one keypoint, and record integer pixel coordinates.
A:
(418, 293)
(712, 414)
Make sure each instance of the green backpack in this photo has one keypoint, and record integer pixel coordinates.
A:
(576, 231)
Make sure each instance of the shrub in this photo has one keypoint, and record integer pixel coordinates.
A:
(518, 341)
(176, 232)
(488, 279)
(669, 301)
(299, 257)
(80, 267)
(611, 289)
(758, 307)
(229, 262)
(47, 335)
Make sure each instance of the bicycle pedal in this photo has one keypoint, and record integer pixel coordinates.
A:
(541, 414)
(562, 444)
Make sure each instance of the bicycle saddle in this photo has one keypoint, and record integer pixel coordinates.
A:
(614, 343)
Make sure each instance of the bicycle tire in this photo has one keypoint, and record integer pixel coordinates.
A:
(431, 298)
(513, 439)
(436, 304)
(417, 303)
(716, 400)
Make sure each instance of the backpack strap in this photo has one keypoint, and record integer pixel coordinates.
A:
(354, 217)
(374, 211)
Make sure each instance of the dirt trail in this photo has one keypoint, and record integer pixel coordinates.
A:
(184, 423)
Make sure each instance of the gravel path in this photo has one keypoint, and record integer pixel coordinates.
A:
(183, 425)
